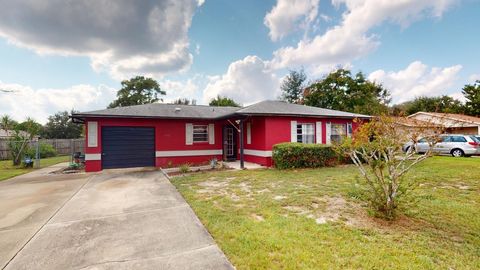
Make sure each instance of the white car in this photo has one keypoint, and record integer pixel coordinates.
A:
(452, 144)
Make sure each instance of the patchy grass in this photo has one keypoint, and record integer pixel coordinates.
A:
(7, 170)
(310, 219)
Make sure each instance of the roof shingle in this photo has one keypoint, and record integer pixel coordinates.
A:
(268, 107)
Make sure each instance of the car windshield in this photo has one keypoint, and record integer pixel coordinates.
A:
(475, 139)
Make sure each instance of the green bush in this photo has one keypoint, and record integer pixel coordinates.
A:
(46, 151)
(299, 155)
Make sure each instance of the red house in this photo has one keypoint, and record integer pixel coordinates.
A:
(167, 134)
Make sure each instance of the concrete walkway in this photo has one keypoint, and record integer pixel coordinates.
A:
(247, 165)
(121, 219)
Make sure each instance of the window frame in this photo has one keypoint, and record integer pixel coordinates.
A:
(301, 127)
(206, 127)
(342, 136)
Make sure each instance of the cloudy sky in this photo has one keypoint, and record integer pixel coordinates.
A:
(72, 54)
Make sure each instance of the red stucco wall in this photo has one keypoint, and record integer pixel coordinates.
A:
(170, 136)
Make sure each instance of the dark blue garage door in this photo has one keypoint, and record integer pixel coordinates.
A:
(124, 147)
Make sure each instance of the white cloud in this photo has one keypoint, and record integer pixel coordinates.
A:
(246, 81)
(458, 96)
(179, 89)
(121, 37)
(417, 80)
(287, 14)
(352, 39)
(473, 78)
(26, 101)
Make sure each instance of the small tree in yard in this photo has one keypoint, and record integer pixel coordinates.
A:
(23, 133)
(376, 150)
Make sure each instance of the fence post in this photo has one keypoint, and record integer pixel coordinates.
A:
(37, 154)
(72, 149)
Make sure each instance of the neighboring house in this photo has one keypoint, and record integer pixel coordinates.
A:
(7, 134)
(450, 123)
(165, 135)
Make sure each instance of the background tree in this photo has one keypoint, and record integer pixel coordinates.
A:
(185, 101)
(293, 85)
(60, 126)
(441, 104)
(7, 123)
(137, 91)
(223, 101)
(471, 92)
(340, 91)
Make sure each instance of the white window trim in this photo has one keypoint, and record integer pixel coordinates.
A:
(211, 133)
(318, 132)
(92, 134)
(328, 131)
(293, 131)
(188, 134)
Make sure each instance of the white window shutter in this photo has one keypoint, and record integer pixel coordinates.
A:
(188, 134)
(249, 133)
(293, 128)
(92, 134)
(211, 133)
(328, 132)
(318, 130)
(349, 130)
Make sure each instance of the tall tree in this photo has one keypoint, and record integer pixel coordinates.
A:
(31, 127)
(137, 91)
(60, 126)
(340, 91)
(7, 123)
(223, 101)
(185, 101)
(471, 92)
(293, 85)
(441, 104)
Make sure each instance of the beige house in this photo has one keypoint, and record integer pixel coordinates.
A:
(451, 123)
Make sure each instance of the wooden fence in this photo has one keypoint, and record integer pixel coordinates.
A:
(63, 146)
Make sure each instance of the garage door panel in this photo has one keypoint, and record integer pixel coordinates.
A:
(124, 147)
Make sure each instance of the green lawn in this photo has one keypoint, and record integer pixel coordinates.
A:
(309, 219)
(7, 170)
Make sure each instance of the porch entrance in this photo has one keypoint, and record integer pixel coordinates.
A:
(229, 143)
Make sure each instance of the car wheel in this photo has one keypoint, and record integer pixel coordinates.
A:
(457, 153)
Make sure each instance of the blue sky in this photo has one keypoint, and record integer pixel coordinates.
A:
(56, 56)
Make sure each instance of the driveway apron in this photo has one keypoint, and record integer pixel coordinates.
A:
(120, 219)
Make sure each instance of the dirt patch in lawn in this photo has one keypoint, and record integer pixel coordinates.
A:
(338, 210)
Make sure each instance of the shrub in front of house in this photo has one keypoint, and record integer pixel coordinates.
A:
(300, 155)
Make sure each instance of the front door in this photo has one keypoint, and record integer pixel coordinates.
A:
(229, 143)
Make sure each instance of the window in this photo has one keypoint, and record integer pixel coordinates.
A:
(339, 131)
(305, 133)
(458, 139)
(200, 133)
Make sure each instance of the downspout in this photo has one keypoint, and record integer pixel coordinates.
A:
(241, 144)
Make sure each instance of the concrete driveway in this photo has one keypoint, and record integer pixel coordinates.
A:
(112, 220)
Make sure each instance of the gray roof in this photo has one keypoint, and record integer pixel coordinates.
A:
(159, 110)
(268, 107)
(271, 107)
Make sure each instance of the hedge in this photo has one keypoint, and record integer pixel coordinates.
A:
(299, 155)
